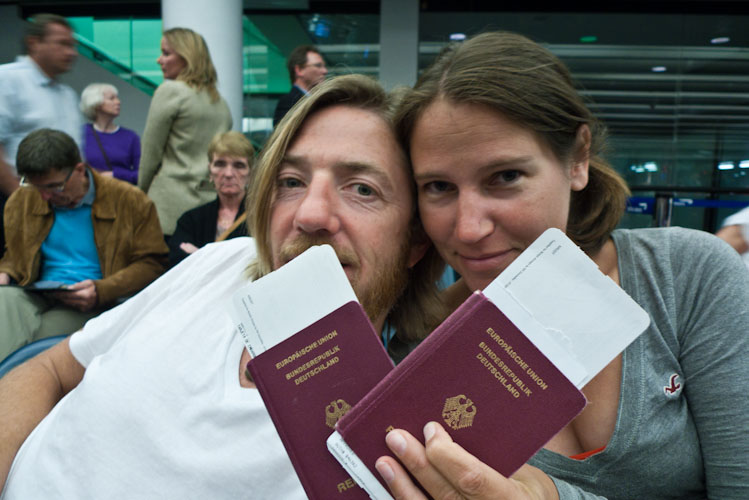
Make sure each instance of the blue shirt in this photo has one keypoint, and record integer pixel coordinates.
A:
(69, 252)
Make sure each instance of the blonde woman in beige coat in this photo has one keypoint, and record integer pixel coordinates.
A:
(186, 112)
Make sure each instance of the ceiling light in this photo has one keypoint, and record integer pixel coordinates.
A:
(725, 165)
(457, 37)
(744, 164)
(658, 69)
(720, 39)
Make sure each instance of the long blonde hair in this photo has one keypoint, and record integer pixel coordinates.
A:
(199, 72)
(419, 309)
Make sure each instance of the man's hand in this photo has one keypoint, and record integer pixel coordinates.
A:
(188, 247)
(105, 173)
(81, 295)
(446, 470)
(4, 279)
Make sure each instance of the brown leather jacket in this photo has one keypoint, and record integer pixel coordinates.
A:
(127, 233)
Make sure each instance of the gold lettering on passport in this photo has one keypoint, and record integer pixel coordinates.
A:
(346, 485)
(312, 362)
(306, 349)
(458, 412)
(522, 365)
(335, 410)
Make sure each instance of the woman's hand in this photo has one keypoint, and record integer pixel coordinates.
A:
(188, 247)
(446, 470)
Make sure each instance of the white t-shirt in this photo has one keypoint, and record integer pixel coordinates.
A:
(740, 218)
(160, 412)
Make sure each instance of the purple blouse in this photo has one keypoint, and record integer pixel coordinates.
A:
(123, 151)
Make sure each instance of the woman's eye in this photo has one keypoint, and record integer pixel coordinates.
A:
(508, 175)
(436, 187)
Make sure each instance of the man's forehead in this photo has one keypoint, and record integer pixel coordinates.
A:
(57, 29)
(349, 137)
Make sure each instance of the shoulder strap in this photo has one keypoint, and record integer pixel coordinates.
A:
(101, 148)
(240, 220)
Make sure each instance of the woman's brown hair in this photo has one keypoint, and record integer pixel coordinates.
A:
(528, 84)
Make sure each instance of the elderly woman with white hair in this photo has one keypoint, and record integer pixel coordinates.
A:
(109, 148)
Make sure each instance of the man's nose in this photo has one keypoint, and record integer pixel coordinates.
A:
(318, 210)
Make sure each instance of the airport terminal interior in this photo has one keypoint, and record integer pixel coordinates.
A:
(670, 79)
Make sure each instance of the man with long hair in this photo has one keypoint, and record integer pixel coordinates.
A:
(156, 397)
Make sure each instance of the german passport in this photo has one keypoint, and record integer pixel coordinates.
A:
(503, 373)
(315, 355)
(309, 381)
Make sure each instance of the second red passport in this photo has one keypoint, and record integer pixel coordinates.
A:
(309, 381)
(492, 390)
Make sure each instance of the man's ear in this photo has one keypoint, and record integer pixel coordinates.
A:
(580, 159)
(31, 43)
(81, 167)
(420, 243)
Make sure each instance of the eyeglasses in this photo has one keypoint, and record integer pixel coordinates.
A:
(57, 187)
(319, 65)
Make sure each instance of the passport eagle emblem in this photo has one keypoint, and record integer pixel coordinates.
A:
(335, 410)
(459, 412)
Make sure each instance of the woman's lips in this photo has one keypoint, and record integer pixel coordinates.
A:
(487, 262)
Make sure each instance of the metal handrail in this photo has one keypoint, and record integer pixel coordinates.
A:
(87, 49)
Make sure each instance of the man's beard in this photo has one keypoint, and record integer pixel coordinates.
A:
(388, 280)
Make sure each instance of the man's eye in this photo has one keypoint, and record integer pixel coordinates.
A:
(289, 182)
(364, 190)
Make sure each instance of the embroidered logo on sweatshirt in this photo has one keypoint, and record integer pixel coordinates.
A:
(674, 387)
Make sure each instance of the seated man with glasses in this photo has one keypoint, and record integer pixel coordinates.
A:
(76, 242)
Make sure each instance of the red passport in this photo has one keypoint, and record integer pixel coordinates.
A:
(488, 385)
(309, 381)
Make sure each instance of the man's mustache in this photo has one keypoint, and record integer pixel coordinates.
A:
(305, 241)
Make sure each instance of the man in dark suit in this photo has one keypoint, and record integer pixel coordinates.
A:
(306, 69)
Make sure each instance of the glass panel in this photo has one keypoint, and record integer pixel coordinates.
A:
(676, 105)
(348, 42)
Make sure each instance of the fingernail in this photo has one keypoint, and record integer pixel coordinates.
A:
(385, 471)
(429, 430)
(396, 442)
